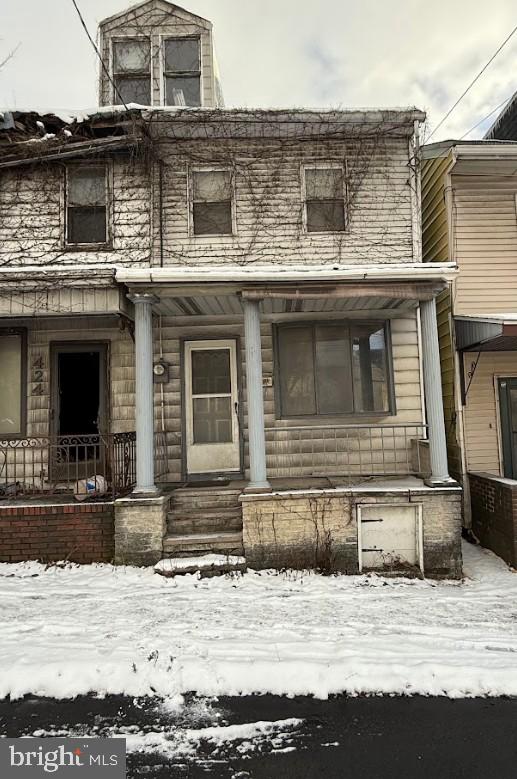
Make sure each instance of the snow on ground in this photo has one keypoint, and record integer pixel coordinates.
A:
(72, 630)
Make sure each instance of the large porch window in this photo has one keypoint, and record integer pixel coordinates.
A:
(333, 369)
(12, 383)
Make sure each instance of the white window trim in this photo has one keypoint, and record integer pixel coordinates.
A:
(108, 243)
(323, 165)
(121, 39)
(163, 88)
(190, 195)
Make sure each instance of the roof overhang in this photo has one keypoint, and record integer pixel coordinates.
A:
(496, 333)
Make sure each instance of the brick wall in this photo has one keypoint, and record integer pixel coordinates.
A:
(494, 514)
(81, 533)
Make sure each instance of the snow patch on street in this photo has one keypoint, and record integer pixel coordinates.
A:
(72, 630)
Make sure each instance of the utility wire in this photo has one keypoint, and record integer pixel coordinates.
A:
(97, 52)
(497, 108)
(467, 90)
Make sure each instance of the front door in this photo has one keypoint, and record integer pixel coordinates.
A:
(508, 406)
(212, 407)
(79, 410)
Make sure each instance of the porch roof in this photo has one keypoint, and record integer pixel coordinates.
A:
(491, 333)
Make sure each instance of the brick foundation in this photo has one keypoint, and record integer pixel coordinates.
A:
(494, 514)
(81, 533)
(320, 530)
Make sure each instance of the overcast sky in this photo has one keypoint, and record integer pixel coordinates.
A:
(290, 53)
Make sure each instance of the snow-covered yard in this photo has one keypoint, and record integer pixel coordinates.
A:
(67, 631)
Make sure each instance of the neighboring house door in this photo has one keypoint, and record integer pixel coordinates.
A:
(211, 407)
(508, 406)
(78, 410)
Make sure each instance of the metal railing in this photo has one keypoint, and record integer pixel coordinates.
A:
(161, 458)
(43, 466)
(346, 450)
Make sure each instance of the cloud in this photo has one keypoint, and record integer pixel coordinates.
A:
(293, 53)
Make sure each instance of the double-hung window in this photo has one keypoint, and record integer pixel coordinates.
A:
(333, 369)
(182, 71)
(324, 199)
(132, 71)
(12, 390)
(86, 205)
(211, 192)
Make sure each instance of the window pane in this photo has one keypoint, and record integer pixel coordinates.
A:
(212, 185)
(86, 225)
(183, 90)
(211, 371)
(324, 183)
(133, 90)
(212, 218)
(296, 371)
(212, 420)
(133, 56)
(87, 186)
(333, 374)
(182, 55)
(324, 216)
(370, 368)
(10, 384)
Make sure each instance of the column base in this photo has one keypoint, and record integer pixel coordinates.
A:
(146, 492)
(259, 488)
(438, 481)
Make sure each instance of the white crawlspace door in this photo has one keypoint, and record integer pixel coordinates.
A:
(211, 406)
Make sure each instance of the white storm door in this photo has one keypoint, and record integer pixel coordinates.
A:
(211, 405)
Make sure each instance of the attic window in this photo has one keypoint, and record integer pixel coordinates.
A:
(86, 223)
(325, 199)
(182, 71)
(132, 71)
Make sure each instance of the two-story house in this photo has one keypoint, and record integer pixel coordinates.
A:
(224, 313)
(469, 217)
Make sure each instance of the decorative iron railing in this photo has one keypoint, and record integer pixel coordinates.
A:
(104, 465)
(346, 450)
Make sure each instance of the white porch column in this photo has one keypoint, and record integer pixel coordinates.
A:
(433, 396)
(144, 396)
(256, 432)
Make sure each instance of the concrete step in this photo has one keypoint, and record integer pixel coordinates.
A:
(194, 500)
(204, 521)
(206, 565)
(202, 543)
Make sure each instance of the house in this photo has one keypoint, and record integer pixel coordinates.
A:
(469, 217)
(221, 319)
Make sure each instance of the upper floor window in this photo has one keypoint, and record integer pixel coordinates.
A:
(333, 369)
(132, 71)
(86, 205)
(212, 202)
(182, 71)
(324, 199)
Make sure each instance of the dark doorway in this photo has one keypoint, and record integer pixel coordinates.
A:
(79, 409)
(508, 405)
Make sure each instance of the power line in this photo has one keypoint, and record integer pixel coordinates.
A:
(497, 108)
(97, 52)
(467, 90)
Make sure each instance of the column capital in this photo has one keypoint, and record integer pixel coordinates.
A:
(142, 297)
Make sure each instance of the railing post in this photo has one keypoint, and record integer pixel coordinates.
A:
(144, 396)
(433, 396)
(256, 428)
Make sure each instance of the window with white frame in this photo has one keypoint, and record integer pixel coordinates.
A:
(211, 192)
(12, 390)
(333, 369)
(86, 205)
(324, 199)
(182, 71)
(132, 70)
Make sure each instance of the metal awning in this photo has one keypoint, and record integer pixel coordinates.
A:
(496, 333)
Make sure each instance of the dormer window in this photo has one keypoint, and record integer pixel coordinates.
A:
(132, 71)
(182, 71)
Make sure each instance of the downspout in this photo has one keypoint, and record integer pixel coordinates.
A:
(160, 206)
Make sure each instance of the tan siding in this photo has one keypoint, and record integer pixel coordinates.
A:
(485, 244)
(435, 241)
(481, 422)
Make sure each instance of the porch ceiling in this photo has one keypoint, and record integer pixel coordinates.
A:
(228, 305)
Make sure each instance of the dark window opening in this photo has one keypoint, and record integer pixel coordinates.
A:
(212, 203)
(325, 200)
(132, 71)
(182, 71)
(86, 205)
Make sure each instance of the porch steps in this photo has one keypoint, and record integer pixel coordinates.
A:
(204, 520)
(227, 543)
